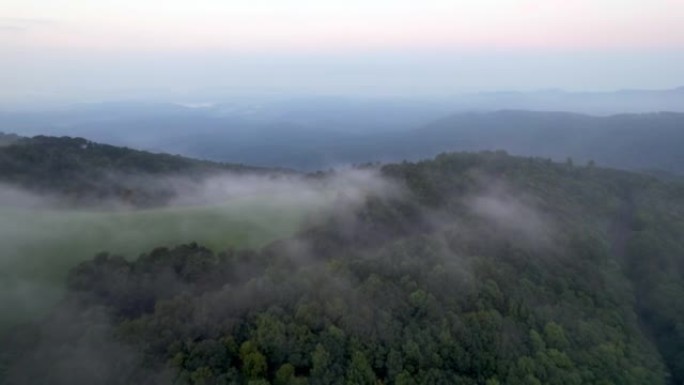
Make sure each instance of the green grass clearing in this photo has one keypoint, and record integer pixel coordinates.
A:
(39, 247)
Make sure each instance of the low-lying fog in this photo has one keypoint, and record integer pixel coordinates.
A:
(42, 240)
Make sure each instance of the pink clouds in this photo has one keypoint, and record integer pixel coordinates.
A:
(430, 24)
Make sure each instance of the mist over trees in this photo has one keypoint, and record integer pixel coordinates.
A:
(414, 192)
(80, 171)
(485, 269)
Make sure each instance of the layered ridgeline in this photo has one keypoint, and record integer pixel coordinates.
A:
(649, 141)
(465, 269)
(643, 142)
(317, 133)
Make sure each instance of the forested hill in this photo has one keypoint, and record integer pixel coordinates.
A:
(488, 269)
(85, 171)
(6, 139)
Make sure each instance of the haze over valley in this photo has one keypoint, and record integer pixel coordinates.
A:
(311, 133)
(323, 193)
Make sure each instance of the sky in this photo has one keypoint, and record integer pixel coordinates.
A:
(91, 48)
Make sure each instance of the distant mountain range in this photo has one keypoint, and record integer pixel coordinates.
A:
(631, 141)
(311, 133)
(593, 103)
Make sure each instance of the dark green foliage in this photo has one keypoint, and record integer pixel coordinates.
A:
(423, 289)
(86, 171)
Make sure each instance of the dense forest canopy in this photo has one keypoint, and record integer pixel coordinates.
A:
(435, 192)
(486, 269)
(84, 171)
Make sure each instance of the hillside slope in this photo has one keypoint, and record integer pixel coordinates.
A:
(488, 269)
(85, 171)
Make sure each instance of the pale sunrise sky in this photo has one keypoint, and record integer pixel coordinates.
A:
(102, 45)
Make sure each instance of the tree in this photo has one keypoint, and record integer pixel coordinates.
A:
(285, 375)
(253, 362)
(359, 371)
(320, 370)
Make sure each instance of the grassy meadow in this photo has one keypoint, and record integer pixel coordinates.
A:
(39, 246)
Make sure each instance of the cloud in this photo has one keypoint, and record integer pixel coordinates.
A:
(43, 237)
(512, 215)
(350, 186)
(12, 29)
(79, 345)
(20, 26)
(12, 196)
(24, 21)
